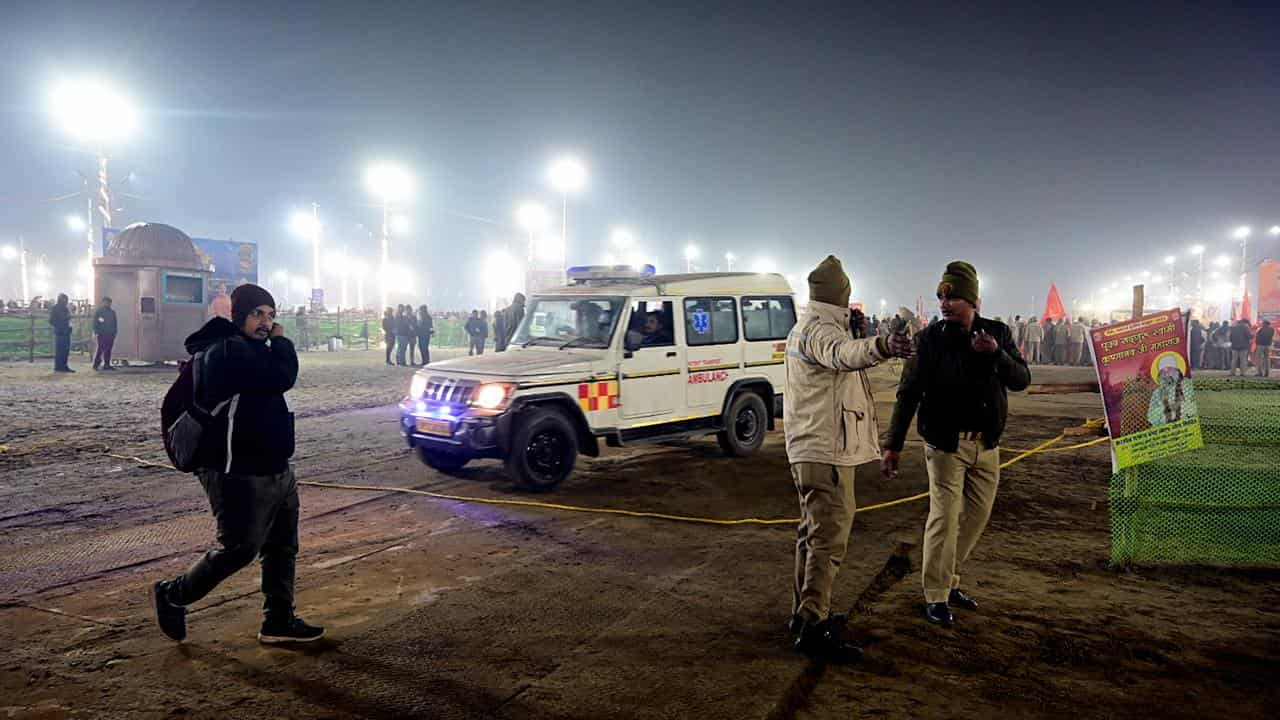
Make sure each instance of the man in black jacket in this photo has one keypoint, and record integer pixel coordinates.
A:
(60, 319)
(104, 327)
(1241, 338)
(958, 381)
(249, 365)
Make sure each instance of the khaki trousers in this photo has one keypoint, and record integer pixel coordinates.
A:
(826, 517)
(962, 489)
(1262, 361)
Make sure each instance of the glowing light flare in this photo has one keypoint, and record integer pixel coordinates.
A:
(93, 111)
(764, 265)
(9, 252)
(84, 269)
(304, 225)
(388, 182)
(400, 224)
(1170, 259)
(1275, 230)
(501, 274)
(1242, 232)
(398, 279)
(337, 263)
(567, 175)
(1195, 250)
(1222, 261)
(76, 223)
(300, 284)
(549, 248)
(533, 218)
(622, 238)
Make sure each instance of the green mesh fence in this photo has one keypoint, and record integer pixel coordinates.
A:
(1219, 505)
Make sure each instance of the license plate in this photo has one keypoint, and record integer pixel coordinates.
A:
(429, 426)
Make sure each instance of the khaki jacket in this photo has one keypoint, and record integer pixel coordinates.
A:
(828, 412)
(1035, 332)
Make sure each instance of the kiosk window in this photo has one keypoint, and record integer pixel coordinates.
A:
(184, 289)
(768, 318)
(710, 321)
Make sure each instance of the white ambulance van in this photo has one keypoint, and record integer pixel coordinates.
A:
(619, 355)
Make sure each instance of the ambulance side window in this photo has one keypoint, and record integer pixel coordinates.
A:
(651, 324)
(710, 321)
(768, 318)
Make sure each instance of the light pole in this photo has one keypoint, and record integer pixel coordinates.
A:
(308, 226)
(1242, 234)
(533, 219)
(9, 252)
(567, 175)
(389, 184)
(690, 254)
(95, 114)
(728, 261)
(282, 277)
(1198, 251)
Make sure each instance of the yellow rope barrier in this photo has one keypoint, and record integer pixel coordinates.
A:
(1021, 454)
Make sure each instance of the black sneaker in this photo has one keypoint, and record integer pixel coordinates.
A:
(172, 618)
(939, 614)
(826, 641)
(961, 601)
(291, 630)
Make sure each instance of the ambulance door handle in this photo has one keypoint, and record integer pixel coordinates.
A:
(671, 354)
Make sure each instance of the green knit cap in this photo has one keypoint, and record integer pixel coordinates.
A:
(828, 283)
(960, 281)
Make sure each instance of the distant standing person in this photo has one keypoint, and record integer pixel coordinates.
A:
(1032, 338)
(411, 323)
(249, 364)
(403, 334)
(1241, 338)
(426, 328)
(104, 327)
(1196, 335)
(1265, 338)
(958, 381)
(1076, 335)
(389, 332)
(60, 319)
(476, 331)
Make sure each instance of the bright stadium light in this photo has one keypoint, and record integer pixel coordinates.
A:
(304, 224)
(533, 218)
(9, 252)
(690, 254)
(764, 265)
(1275, 230)
(1196, 250)
(728, 260)
(1222, 261)
(76, 223)
(621, 238)
(93, 111)
(388, 183)
(1242, 232)
(1170, 259)
(501, 275)
(567, 175)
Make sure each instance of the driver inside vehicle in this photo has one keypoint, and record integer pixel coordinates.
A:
(654, 332)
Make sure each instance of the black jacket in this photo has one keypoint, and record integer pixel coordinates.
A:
(955, 388)
(1241, 337)
(60, 319)
(254, 376)
(104, 321)
(1265, 336)
(426, 326)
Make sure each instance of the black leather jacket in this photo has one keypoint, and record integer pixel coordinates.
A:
(955, 388)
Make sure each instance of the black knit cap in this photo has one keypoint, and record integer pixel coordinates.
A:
(245, 298)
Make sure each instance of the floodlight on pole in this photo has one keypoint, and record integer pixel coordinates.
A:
(308, 226)
(1242, 232)
(390, 184)
(690, 254)
(76, 223)
(1275, 230)
(8, 252)
(1198, 251)
(567, 175)
(728, 261)
(621, 238)
(533, 219)
(97, 115)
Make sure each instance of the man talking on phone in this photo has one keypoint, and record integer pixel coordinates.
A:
(249, 365)
(958, 380)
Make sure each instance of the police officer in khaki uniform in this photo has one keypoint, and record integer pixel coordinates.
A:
(958, 380)
(830, 422)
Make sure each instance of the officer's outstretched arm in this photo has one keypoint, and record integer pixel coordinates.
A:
(830, 347)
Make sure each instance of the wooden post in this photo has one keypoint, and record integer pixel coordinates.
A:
(31, 336)
(1138, 302)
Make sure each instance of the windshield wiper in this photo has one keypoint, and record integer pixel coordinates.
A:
(576, 340)
(533, 340)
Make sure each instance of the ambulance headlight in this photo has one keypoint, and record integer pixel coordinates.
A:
(417, 387)
(491, 396)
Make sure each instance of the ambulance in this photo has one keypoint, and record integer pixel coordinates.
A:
(620, 356)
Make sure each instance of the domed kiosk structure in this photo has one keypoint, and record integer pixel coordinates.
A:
(156, 281)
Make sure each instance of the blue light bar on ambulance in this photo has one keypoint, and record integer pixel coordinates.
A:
(586, 273)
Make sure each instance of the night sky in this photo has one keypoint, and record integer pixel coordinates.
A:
(1071, 146)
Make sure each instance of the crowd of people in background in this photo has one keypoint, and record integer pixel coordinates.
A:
(1232, 346)
(403, 329)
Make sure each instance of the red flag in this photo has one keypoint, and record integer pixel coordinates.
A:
(1246, 312)
(1053, 309)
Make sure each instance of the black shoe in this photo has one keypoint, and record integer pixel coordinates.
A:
(958, 599)
(825, 641)
(291, 630)
(172, 618)
(796, 622)
(939, 614)
(64, 369)
(96, 364)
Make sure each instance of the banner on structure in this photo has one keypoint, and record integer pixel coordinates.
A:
(1147, 389)
(1269, 291)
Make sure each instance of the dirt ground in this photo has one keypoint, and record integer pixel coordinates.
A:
(444, 609)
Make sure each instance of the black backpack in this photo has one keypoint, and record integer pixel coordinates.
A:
(183, 421)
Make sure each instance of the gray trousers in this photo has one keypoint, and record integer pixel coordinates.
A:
(1239, 360)
(257, 516)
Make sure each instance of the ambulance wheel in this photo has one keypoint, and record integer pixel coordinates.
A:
(544, 449)
(744, 425)
(445, 462)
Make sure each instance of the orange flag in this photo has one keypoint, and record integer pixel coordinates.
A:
(1053, 309)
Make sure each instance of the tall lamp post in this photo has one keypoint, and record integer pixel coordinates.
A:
(1198, 251)
(728, 261)
(98, 116)
(690, 254)
(533, 219)
(567, 175)
(307, 225)
(390, 185)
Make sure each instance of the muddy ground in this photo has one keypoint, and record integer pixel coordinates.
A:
(447, 609)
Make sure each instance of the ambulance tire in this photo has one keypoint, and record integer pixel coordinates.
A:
(544, 449)
(445, 462)
(745, 424)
